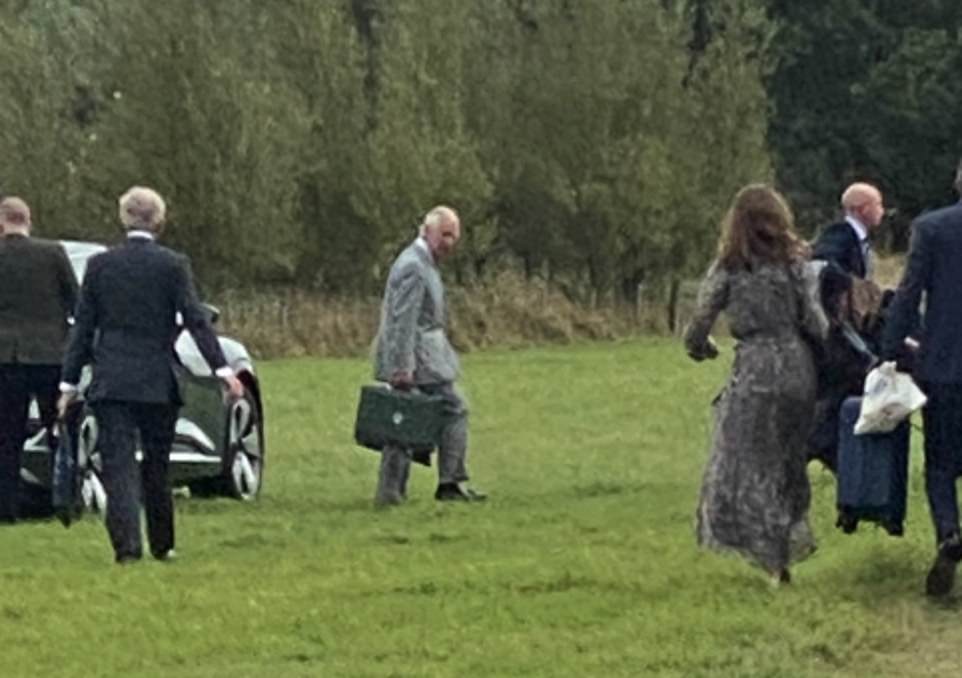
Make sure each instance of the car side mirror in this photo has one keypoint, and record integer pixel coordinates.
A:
(213, 313)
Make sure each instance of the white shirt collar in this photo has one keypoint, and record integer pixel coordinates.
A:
(138, 233)
(423, 244)
(858, 226)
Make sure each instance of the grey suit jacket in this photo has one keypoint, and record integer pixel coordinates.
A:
(412, 334)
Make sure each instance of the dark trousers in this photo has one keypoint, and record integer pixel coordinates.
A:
(120, 422)
(942, 418)
(18, 383)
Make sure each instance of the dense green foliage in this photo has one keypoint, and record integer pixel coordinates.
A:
(582, 563)
(300, 141)
(867, 89)
(592, 143)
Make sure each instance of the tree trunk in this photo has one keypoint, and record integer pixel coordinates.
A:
(674, 288)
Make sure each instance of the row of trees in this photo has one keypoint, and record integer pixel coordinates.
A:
(299, 141)
(866, 89)
(592, 142)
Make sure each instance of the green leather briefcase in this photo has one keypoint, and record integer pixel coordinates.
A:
(387, 416)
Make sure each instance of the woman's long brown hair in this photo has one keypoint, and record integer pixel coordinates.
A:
(759, 229)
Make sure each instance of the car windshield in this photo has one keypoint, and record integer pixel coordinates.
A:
(79, 253)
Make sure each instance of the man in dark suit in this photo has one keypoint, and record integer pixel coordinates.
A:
(934, 267)
(126, 327)
(38, 292)
(846, 243)
(845, 247)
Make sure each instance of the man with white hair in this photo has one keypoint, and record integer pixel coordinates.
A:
(846, 243)
(413, 351)
(38, 292)
(129, 301)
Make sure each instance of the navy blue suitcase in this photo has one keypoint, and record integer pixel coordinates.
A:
(872, 473)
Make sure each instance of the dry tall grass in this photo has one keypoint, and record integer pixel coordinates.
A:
(509, 312)
(888, 270)
(296, 323)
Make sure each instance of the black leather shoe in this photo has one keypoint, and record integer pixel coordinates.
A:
(167, 556)
(846, 522)
(952, 547)
(941, 577)
(458, 492)
(126, 558)
(894, 529)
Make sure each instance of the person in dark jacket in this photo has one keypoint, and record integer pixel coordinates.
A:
(126, 326)
(842, 364)
(38, 292)
(846, 243)
(934, 267)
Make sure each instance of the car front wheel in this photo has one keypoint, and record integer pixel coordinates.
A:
(244, 449)
(92, 493)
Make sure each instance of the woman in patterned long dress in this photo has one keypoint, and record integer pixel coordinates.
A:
(755, 492)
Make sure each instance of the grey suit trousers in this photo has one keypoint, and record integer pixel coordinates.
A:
(452, 449)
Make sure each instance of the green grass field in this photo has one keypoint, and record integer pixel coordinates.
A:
(582, 563)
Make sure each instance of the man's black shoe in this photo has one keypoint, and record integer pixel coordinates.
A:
(894, 529)
(846, 521)
(952, 547)
(941, 577)
(458, 492)
(127, 558)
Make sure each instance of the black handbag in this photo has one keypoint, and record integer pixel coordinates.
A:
(407, 419)
(65, 485)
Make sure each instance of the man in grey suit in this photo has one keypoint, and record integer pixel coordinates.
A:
(413, 351)
(38, 292)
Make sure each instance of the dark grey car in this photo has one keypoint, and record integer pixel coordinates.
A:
(219, 446)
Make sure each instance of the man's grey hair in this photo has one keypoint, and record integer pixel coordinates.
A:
(958, 178)
(437, 216)
(142, 209)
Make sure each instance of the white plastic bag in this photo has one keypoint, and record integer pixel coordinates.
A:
(889, 397)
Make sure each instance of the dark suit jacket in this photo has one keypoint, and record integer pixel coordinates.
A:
(126, 324)
(934, 266)
(38, 292)
(839, 245)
